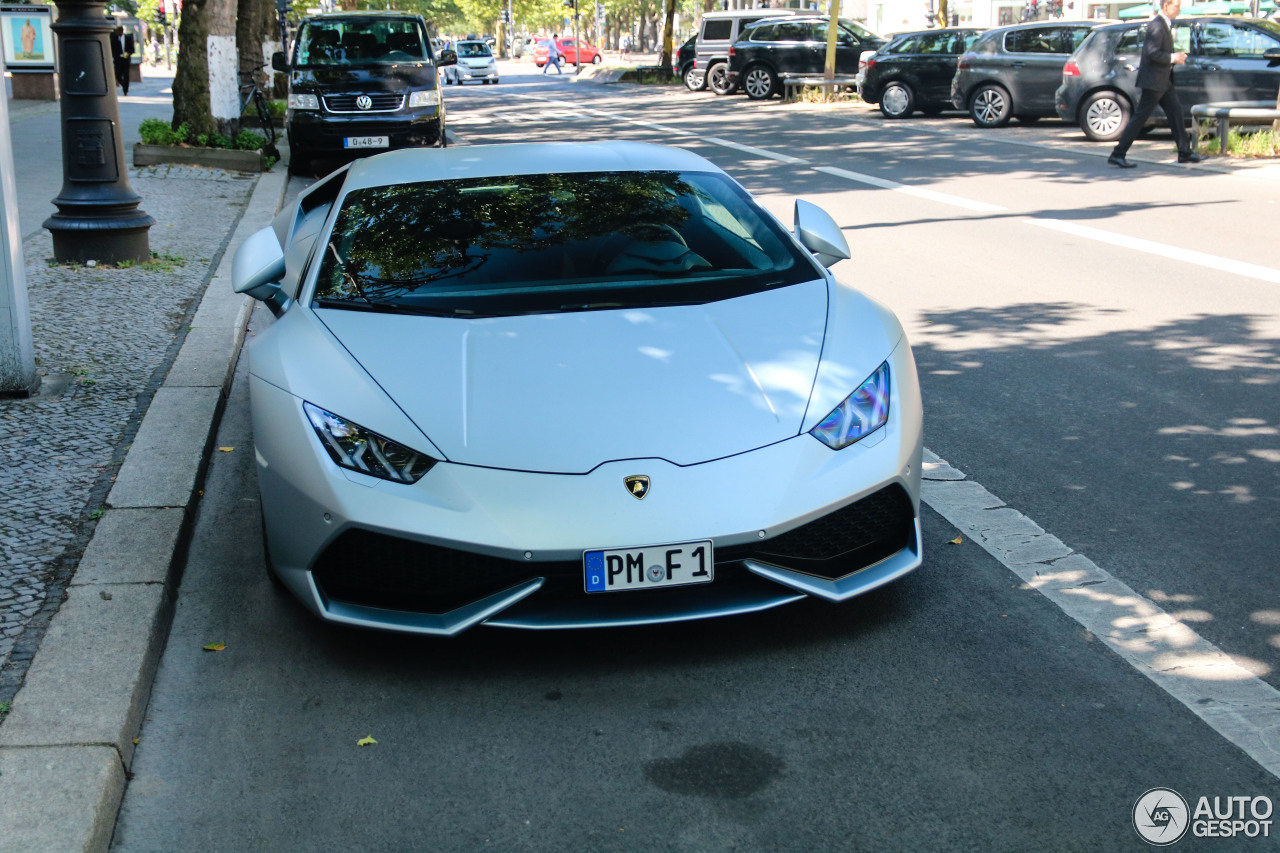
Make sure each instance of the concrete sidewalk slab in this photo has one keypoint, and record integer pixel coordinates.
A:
(131, 546)
(67, 798)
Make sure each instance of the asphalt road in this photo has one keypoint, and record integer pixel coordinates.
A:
(1096, 348)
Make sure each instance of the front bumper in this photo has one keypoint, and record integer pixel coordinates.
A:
(317, 133)
(468, 545)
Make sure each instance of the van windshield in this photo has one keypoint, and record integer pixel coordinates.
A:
(361, 41)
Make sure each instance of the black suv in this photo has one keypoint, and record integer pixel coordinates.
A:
(914, 71)
(682, 66)
(1014, 71)
(1228, 59)
(361, 83)
(770, 51)
(717, 31)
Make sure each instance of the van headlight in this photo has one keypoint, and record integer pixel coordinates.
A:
(304, 102)
(424, 98)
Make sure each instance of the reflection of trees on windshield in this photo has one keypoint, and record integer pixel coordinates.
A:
(390, 241)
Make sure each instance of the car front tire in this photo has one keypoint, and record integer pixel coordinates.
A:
(759, 82)
(694, 80)
(595, 60)
(1103, 116)
(718, 79)
(897, 100)
(990, 106)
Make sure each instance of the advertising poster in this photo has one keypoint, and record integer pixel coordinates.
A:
(27, 36)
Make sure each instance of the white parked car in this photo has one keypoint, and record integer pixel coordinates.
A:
(568, 385)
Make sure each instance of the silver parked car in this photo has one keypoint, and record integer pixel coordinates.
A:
(571, 385)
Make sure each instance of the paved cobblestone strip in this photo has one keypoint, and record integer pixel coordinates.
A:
(104, 338)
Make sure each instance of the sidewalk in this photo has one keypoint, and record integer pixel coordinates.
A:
(100, 474)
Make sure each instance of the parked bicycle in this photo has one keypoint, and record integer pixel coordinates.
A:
(251, 83)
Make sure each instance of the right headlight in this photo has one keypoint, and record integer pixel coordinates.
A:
(424, 98)
(862, 413)
(353, 447)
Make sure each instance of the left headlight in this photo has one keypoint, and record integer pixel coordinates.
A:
(424, 98)
(353, 447)
(862, 413)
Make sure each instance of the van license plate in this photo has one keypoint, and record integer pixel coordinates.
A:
(365, 142)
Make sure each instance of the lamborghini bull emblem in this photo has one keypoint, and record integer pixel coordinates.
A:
(637, 486)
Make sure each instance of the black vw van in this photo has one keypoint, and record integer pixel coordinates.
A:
(360, 83)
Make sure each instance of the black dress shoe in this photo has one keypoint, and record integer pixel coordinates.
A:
(1189, 158)
(1117, 160)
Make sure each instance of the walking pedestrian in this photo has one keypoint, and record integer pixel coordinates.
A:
(1155, 79)
(626, 47)
(553, 54)
(122, 56)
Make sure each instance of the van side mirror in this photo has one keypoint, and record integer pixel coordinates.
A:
(257, 268)
(819, 233)
(279, 62)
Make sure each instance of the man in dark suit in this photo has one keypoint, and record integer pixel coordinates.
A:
(122, 56)
(1155, 79)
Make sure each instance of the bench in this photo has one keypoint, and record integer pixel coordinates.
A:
(791, 86)
(1225, 113)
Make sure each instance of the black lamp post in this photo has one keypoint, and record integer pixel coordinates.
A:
(98, 216)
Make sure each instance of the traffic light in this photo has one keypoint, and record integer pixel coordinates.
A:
(506, 16)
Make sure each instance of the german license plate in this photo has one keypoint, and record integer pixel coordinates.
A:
(652, 566)
(365, 142)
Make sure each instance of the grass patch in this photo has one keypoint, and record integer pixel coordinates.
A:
(1245, 144)
(4, 708)
(827, 95)
(160, 262)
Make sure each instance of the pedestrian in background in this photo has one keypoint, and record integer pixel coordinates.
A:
(553, 55)
(1155, 79)
(626, 46)
(122, 56)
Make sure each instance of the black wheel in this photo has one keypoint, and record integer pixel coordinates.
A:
(694, 80)
(595, 60)
(759, 82)
(718, 79)
(990, 106)
(1103, 116)
(897, 100)
(299, 163)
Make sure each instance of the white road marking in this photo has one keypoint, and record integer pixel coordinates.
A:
(1230, 699)
(1176, 253)
(919, 192)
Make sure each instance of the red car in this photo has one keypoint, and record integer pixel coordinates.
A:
(568, 52)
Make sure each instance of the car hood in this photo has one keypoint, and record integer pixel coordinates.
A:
(564, 393)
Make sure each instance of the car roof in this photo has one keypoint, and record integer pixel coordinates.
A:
(1182, 19)
(745, 13)
(372, 13)
(898, 35)
(1036, 24)
(413, 165)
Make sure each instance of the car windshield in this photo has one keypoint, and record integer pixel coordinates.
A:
(473, 49)
(531, 244)
(363, 41)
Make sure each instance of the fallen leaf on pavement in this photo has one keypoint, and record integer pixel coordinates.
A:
(955, 541)
(214, 647)
(366, 741)
(226, 449)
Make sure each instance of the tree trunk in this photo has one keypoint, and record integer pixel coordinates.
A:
(668, 35)
(205, 89)
(833, 29)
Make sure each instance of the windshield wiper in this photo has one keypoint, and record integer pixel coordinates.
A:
(391, 308)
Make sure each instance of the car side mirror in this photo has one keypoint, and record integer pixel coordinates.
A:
(819, 233)
(278, 61)
(1272, 56)
(257, 268)
(447, 57)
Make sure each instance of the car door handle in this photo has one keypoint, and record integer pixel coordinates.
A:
(1018, 64)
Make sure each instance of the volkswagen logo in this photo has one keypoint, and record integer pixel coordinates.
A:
(637, 486)
(364, 102)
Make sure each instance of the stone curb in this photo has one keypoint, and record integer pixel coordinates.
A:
(67, 744)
